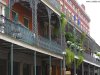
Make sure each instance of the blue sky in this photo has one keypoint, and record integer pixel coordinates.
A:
(93, 11)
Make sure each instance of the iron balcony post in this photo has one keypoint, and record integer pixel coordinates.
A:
(34, 63)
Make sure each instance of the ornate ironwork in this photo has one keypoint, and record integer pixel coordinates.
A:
(20, 32)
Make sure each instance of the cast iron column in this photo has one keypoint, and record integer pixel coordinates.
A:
(83, 68)
(50, 65)
(10, 61)
(93, 70)
(60, 67)
(49, 15)
(74, 67)
(61, 33)
(64, 65)
(89, 68)
(34, 63)
(34, 7)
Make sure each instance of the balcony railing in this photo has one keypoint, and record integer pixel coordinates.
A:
(91, 58)
(22, 33)
(54, 4)
(87, 57)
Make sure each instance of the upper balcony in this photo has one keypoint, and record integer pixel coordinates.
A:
(20, 25)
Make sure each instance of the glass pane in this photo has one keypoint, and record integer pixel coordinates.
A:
(26, 22)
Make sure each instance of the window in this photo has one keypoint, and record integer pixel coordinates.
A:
(74, 17)
(78, 22)
(26, 22)
(14, 16)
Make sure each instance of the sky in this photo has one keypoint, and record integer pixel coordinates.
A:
(93, 11)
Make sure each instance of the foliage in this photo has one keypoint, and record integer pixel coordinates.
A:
(69, 36)
(63, 22)
(69, 57)
(79, 60)
(97, 54)
(83, 36)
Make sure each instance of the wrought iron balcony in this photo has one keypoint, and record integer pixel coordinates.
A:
(22, 33)
(91, 58)
(88, 57)
(54, 4)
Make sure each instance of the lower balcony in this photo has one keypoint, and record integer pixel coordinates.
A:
(21, 33)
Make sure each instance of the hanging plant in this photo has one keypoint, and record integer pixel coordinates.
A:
(79, 60)
(63, 22)
(69, 36)
(69, 57)
(69, 43)
(83, 36)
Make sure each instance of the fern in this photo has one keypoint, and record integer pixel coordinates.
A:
(69, 57)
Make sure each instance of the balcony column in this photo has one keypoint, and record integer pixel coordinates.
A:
(34, 63)
(10, 61)
(50, 67)
(83, 68)
(61, 33)
(60, 67)
(75, 67)
(49, 15)
(64, 64)
(93, 70)
(89, 68)
(34, 7)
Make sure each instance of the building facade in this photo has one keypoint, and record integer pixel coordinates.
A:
(32, 41)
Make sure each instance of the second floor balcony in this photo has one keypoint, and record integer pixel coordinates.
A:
(21, 33)
(19, 24)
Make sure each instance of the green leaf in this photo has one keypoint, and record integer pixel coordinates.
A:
(79, 60)
(69, 57)
(63, 22)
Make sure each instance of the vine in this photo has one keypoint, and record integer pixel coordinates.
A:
(63, 22)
